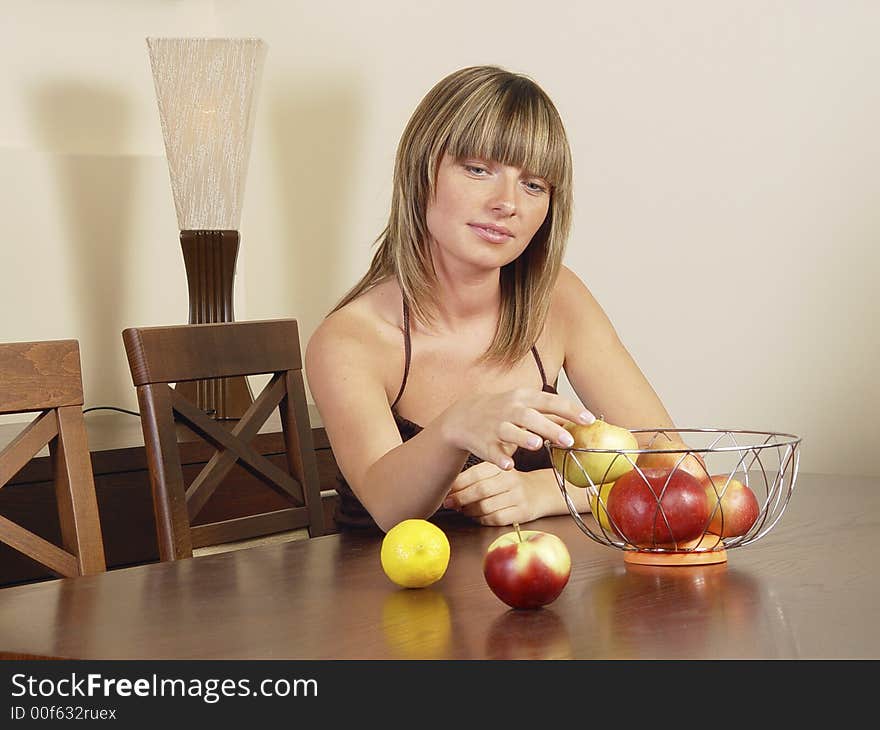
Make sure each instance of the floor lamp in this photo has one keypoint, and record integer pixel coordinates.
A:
(206, 90)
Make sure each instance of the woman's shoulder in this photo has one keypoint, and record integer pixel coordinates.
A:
(574, 310)
(570, 295)
(365, 328)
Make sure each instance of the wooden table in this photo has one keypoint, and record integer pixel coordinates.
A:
(809, 589)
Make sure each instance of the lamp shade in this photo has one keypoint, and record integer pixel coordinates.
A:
(206, 90)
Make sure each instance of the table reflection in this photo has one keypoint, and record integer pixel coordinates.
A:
(417, 623)
(533, 634)
(645, 611)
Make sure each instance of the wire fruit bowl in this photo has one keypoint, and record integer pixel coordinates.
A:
(765, 462)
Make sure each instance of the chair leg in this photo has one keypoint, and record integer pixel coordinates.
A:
(300, 449)
(166, 475)
(75, 492)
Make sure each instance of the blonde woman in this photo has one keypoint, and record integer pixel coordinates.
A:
(435, 375)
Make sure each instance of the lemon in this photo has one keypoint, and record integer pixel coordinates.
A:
(415, 553)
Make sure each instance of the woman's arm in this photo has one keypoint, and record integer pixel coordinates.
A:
(345, 375)
(605, 378)
(396, 480)
(600, 369)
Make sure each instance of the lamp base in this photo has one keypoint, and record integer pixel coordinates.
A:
(209, 257)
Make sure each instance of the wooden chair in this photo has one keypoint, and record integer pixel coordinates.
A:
(160, 356)
(46, 377)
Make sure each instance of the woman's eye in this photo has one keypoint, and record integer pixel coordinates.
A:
(536, 187)
(476, 169)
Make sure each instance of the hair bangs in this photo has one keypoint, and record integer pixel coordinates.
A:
(515, 125)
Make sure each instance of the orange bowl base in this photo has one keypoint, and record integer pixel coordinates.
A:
(689, 556)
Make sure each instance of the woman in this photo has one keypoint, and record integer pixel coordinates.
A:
(435, 375)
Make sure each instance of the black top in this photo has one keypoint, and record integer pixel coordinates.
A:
(351, 513)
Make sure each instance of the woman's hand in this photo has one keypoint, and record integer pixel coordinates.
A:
(493, 496)
(492, 426)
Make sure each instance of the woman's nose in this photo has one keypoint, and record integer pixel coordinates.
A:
(504, 197)
(504, 206)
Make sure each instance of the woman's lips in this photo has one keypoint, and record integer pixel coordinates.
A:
(490, 234)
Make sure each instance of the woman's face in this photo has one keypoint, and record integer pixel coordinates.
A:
(485, 213)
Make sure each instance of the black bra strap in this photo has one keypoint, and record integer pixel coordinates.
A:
(540, 365)
(407, 348)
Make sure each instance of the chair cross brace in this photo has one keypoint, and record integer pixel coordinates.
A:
(232, 446)
(47, 429)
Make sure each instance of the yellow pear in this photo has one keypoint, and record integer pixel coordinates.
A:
(583, 468)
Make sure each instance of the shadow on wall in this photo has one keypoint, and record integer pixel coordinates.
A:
(314, 130)
(85, 126)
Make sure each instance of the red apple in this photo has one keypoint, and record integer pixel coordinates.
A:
(527, 568)
(738, 509)
(664, 508)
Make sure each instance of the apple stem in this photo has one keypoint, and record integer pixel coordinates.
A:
(518, 533)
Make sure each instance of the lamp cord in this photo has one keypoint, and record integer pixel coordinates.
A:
(210, 411)
(110, 408)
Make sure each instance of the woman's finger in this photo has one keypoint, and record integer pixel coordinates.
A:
(512, 433)
(503, 516)
(487, 505)
(497, 455)
(552, 403)
(476, 473)
(539, 427)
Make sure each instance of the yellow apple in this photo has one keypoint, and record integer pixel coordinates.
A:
(598, 506)
(583, 468)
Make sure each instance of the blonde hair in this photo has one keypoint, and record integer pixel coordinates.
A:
(493, 114)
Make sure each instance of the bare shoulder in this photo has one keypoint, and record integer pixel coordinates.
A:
(365, 333)
(572, 301)
(354, 363)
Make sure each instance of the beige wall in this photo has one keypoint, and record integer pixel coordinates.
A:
(726, 156)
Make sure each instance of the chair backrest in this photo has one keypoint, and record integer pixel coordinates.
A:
(161, 356)
(46, 378)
